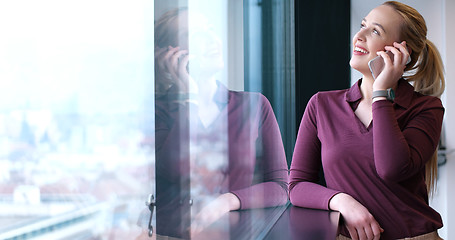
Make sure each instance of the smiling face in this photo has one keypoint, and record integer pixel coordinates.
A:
(205, 46)
(380, 28)
(191, 31)
(197, 35)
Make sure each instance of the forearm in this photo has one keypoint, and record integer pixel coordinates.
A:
(391, 150)
(311, 195)
(265, 194)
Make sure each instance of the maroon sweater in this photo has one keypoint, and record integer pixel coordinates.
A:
(382, 165)
(257, 171)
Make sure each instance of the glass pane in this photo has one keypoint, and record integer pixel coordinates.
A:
(107, 104)
(76, 118)
(217, 149)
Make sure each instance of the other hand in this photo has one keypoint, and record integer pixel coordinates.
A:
(213, 211)
(358, 220)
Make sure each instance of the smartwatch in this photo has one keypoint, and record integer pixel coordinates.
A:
(389, 94)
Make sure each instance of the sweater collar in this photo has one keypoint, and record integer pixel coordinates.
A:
(403, 93)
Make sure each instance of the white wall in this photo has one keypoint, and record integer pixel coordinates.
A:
(448, 179)
(439, 17)
(235, 45)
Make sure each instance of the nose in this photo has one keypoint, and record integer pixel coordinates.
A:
(360, 36)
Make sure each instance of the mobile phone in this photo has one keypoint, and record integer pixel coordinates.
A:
(376, 64)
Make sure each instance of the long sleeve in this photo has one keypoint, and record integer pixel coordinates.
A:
(257, 171)
(402, 151)
(268, 185)
(306, 161)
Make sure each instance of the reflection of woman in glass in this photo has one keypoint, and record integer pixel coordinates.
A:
(216, 149)
(375, 149)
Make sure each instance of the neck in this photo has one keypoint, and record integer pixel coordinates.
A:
(206, 89)
(366, 87)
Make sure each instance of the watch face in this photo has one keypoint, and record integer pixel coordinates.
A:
(390, 94)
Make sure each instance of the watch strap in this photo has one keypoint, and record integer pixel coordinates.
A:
(389, 94)
(379, 93)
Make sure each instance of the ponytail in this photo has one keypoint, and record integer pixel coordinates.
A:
(429, 77)
(429, 80)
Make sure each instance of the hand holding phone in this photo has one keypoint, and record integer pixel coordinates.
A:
(376, 64)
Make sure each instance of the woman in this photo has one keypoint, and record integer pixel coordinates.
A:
(216, 149)
(377, 152)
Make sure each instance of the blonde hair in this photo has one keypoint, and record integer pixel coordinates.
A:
(167, 29)
(426, 68)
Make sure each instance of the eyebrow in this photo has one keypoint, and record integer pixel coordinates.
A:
(377, 24)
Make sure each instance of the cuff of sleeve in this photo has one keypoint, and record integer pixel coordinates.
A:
(327, 199)
(328, 202)
(240, 199)
(267, 194)
(314, 196)
(381, 104)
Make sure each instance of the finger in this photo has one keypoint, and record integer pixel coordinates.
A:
(401, 46)
(397, 56)
(169, 57)
(170, 51)
(385, 56)
(183, 63)
(160, 56)
(377, 230)
(353, 233)
(403, 50)
(369, 232)
(174, 61)
(361, 233)
(164, 58)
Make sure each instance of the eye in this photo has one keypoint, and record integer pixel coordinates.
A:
(376, 32)
(362, 25)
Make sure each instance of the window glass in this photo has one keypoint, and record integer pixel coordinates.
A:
(75, 117)
(107, 105)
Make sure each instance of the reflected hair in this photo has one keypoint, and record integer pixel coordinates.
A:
(426, 68)
(167, 33)
(167, 29)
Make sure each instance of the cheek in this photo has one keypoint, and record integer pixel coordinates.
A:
(376, 46)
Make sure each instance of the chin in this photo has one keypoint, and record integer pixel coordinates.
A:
(354, 64)
(359, 66)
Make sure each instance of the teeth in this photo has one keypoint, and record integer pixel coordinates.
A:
(360, 50)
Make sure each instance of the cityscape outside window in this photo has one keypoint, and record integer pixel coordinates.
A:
(76, 105)
(86, 114)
